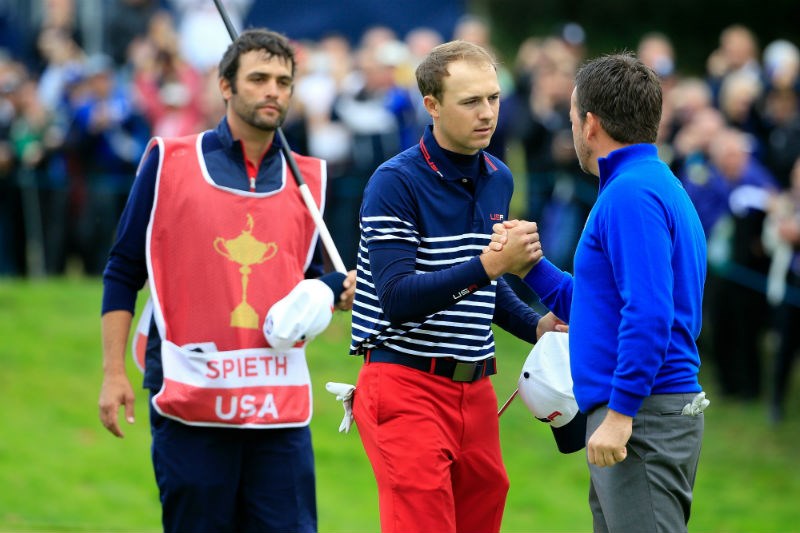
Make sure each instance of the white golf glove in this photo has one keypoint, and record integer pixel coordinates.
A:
(696, 406)
(343, 392)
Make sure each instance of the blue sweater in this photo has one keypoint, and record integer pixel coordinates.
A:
(421, 288)
(634, 303)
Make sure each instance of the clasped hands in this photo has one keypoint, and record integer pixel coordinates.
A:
(514, 249)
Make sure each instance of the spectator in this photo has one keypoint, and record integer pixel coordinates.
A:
(62, 62)
(782, 65)
(41, 175)
(12, 246)
(127, 21)
(655, 50)
(731, 202)
(58, 15)
(203, 36)
(737, 53)
(420, 41)
(782, 238)
(380, 117)
(108, 135)
(691, 146)
(327, 69)
(781, 108)
(10, 30)
(559, 195)
(738, 96)
(167, 89)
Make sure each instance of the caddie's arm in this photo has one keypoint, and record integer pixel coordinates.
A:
(124, 276)
(343, 287)
(116, 390)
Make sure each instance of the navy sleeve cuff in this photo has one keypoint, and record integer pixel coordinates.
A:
(334, 280)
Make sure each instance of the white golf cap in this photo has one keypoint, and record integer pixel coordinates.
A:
(545, 385)
(301, 315)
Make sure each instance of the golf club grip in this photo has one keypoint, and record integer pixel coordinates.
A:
(316, 215)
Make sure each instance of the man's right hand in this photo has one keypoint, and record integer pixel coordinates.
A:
(550, 322)
(116, 392)
(515, 248)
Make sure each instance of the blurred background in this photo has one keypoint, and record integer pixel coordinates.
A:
(85, 83)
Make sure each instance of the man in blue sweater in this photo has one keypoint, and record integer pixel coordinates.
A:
(633, 306)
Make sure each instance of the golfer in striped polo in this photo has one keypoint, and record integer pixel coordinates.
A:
(425, 302)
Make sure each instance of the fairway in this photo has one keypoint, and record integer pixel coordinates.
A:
(61, 471)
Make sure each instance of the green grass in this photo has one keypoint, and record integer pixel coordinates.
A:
(61, 471)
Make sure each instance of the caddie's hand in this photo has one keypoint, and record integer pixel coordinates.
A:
(550, 322)
(348, 292)
(116, 392)
(607, 445)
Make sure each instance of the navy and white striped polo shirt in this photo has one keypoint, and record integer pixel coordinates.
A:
(417, 200)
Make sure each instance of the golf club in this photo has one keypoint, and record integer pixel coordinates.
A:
(305, 192)
(508, 402)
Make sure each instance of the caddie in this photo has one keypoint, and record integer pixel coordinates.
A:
(216, 225)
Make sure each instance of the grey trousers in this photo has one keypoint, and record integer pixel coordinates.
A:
(651, 490)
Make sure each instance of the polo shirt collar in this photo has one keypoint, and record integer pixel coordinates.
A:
(234, 146)
(439, 163)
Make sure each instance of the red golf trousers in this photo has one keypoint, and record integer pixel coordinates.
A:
(434, 446)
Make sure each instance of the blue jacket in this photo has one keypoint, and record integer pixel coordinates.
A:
(634, 304)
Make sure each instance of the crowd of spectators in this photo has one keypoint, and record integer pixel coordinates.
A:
(73, 126)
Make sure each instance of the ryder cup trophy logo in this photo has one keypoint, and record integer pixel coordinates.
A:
(246, 251)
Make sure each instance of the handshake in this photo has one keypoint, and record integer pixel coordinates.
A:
(514, 249)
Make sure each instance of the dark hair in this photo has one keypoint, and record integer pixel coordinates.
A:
(273, 43)
(624, 94)
(433, 69)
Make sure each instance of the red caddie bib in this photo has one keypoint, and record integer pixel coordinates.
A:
(218, 258)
